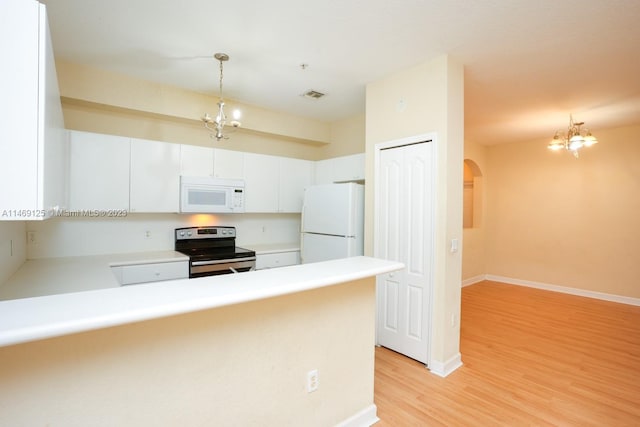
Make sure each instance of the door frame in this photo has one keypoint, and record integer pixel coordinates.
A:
(430, 137)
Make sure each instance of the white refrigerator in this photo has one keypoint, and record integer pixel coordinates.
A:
(332, 222)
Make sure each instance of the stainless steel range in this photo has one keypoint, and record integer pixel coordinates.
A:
(212, 251)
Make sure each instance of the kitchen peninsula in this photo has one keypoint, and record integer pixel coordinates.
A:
(233, 349)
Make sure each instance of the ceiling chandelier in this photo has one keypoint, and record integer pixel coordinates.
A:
(216, 125)
(573, 139)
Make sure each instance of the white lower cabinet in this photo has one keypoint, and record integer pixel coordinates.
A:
(155, 272)
(279, 259)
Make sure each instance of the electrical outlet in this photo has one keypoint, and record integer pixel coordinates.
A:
(31, 237)
(312, 381)
(147, 234)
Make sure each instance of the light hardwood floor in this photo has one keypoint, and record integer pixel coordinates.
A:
(531, 357)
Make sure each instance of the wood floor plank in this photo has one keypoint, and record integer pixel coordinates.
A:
(531, 357)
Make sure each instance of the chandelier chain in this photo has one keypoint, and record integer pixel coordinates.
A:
(221, 97)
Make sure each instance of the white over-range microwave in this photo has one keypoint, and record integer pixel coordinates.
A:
(211, 195)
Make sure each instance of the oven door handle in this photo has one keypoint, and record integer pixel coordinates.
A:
(223, 261)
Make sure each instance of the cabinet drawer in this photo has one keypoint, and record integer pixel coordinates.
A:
(154, 272)
(279, 259)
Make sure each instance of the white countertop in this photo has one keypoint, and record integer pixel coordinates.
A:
(48, 276)
(30, 319)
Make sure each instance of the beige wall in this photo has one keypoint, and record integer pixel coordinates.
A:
(473, 254)
(104, 102)
(557, 220)
(13, 247)
(242, 365)
(347, 137)
(432, 101)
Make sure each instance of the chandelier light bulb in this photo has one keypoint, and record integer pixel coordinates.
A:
(589, 140)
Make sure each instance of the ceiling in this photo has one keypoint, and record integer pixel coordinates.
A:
(528, 64)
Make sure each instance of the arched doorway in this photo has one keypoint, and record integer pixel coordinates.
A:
(472, 195)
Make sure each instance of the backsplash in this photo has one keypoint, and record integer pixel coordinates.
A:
(61, 237)
(13, 250)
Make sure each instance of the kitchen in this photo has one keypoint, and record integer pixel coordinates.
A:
(144, 110)
(274, 237)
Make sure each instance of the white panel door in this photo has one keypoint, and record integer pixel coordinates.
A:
(405, 234)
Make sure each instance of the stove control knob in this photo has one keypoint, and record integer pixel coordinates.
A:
(224, 231)
(182, 233)
(189, 233)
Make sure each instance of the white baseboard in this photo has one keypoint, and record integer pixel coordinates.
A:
(365, 418)
(565, 290)
(473, 280)
(442, 369)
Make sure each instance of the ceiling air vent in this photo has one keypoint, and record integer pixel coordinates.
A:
(313, 94)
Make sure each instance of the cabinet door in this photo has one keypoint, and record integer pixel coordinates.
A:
(155, 176)
(98, 171)
(261, 174)
(281, 259)
(196, 160)
(144, 273)
(19, 105)
(228, 164)
(295, 175)
(348, 168)
(33, 148)
(323, 170)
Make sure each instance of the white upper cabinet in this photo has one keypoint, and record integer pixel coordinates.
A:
(155, 176)
(275, 184)
(348, 168)
(98, 171)
(228, 164)
(262, 182)
(295, 175)
(112, 172)
(34, 144)
(340, 169)
(196, 160)
(323, 172)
